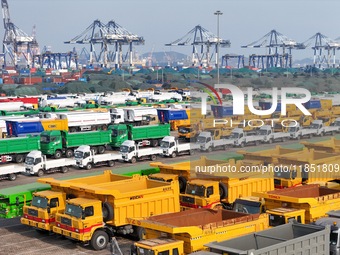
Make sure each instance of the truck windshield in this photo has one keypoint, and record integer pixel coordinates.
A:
(142, 251)
(78, 154)
(45, 139)
(40, 202)
(314, 126)
(246, 206)
(234, 135)
(193, 189)
(336, 123)
(201, 139)
(276, 220)
(165, 144)
(334, 238)
(73, 210)
(29, 161)
(283, 174)
(114, 132)
(292, 129)
(262, 132)
(124, 148)
(184, 130)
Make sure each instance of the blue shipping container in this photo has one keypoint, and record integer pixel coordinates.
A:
(166, 115)
(313, 104)
(21, 128)
(221, 111)
(267, 105)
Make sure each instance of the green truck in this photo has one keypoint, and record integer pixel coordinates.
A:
(57, 143)
(152, 134)
(12, 199)
(16, 148)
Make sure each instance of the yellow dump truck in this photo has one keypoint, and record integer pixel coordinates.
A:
(103, 209)
(331, 146)
(312, 200)
(267, 156)
(188, 231)
(54, 124)
(306, 166)
(45, 204)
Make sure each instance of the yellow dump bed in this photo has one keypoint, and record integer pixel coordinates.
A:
(331, 146)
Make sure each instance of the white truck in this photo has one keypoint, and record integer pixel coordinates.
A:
(135, 114)
(242, 138)
(131, 151)
(10, 172)
(37, 164)
(336, 123)
(321, 129)
(171, 147)
(269, 136)
(297, 132)
(207, 143)
(86, 158)
(117, 115)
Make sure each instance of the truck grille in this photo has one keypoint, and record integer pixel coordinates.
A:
(66, 221)
(189, 200)
(32, 212)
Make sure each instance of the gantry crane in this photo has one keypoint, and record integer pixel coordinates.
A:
(321, 43)
(201, 38)
(277, 55)
(16, 43)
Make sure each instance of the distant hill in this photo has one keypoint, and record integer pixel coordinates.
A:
(166, 58)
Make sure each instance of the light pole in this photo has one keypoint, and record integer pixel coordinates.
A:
(218, 13)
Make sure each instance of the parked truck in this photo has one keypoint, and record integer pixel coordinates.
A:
(321, 129)
(23, 127)
(40, 214)
(10, 172)
(132, 151)
(86, 158)
(208, 143)
(172, 148)
(151, 133)
(37, 164)
(105, 209)
(291, 238)
(16, 148)
(188, 231)
(56, 143)
(270, 136)
(297, 132)
(242, 138)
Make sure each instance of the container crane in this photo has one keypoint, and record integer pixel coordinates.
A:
(16, 42)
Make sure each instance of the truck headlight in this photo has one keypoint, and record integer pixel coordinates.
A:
(43, 221)
(77, 230)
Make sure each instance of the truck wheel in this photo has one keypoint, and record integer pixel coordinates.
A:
(101, 149)
(192, 152)
(69, 153)
(210, 149)
(139, 233)
(257, 143)
(133, 160)
(242, 144)
(40, 173)
(88, 166)
(111, 163)
(99, 240)
(182, 183)
(95, 150)
(321, 134)
(154, 143)
(57, 154)
(174, 154)
(223, 190)
(19, 158)
(64, 169)
(298, 137)
(104, 127)
(12, 177)
(73, 130)
(107, 211)
(153, 157)
(270, 141)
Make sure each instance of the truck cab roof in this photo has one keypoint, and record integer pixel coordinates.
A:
(128, 143)
(34, 154)
(83, 148)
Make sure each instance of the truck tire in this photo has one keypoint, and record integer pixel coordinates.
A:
(12, 177)
(257, 143)
(133, 160)
(64, 169)
(192, 152)
(321, 134)
(154, 143)
(40, 172)
(139, 233)
(182, 183)
(73, 130)
(174, 154)
(242, 144)
(107, 211)
(270, 141)
(19, 158)
(88, 166)
(101, 149)
(99, 240)
(110, 163)
(69, 153)
(104, 127)
(57, 154)
(95, 150)
(223, 190)
(210, 149)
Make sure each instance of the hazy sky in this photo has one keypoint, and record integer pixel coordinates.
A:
(160, 22)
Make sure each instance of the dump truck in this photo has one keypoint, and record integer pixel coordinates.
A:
(132, 152)
(40, 214)
(331, 146)
(16, 148)
(86, 158)
(313, 199)
(23, 127)
(151, 133)
(105, 209)
(188, 231)
(10, 172)
(306, 166)
(172, 148)
(37, 164)
(12, 199)
(291, 238)
(57, 143)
